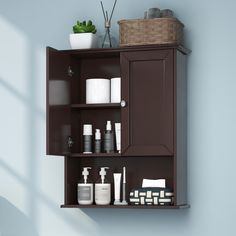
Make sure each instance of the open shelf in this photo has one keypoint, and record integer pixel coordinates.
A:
(127, 206)
(96, 106)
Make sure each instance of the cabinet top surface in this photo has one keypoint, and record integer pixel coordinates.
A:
(127, 49)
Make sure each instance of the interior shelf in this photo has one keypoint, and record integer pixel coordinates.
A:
(96, 106)
(127, 206)
(59, 106)
(93, 155)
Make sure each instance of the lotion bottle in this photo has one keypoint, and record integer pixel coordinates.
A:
(103, 189)
(108, 138)
(85, 189)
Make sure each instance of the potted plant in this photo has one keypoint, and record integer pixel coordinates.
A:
(84, 35)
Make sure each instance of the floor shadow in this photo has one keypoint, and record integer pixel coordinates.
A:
(13, 221)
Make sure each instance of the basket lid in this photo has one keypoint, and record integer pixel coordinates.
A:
(173, 19)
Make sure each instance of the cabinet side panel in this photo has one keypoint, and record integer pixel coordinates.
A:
(181, 129)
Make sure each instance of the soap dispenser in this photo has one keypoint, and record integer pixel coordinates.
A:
(85, 189)
(103, 189)
(108, 138)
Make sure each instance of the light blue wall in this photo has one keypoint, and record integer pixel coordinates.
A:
(31, 184)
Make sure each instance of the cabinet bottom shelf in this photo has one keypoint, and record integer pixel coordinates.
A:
(127, 206)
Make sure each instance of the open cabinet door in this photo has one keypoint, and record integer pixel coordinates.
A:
(59, 140)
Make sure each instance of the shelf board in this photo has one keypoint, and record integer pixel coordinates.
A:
(59, 106)
(96, 106)
(127, 206)
(93, 155)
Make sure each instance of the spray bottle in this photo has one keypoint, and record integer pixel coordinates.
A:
(103, 189)
(85, 189)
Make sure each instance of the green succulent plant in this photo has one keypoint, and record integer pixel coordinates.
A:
(84, 27)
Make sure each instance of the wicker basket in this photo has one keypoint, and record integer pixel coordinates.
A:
(151, 31)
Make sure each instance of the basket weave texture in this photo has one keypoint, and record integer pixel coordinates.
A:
(151, 31)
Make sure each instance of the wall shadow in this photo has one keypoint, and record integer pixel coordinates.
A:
(13, 221)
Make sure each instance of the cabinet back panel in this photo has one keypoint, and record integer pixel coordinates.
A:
(96, 68)
(97, 118)
(137, 168)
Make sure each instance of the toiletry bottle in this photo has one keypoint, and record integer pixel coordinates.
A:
(85, 189)
(103, 189)
(108, 138)
(118, 137)
(87, 133)
(97, 143)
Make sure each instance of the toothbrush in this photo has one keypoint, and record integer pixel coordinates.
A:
(124, 202)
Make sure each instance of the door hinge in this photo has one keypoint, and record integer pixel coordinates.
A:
(70, 142)
(70, 72)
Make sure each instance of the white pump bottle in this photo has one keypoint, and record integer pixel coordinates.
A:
(85, 189)
(103, 189)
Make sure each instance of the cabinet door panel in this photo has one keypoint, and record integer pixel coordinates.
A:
(58, 101)
(148, 89)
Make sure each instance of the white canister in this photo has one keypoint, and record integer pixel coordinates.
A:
(97, 90)
(115, 90)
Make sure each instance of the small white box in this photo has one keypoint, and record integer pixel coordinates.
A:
(116, 90)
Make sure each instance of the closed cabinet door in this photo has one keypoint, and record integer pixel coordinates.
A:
(58, 103)
(147, 113)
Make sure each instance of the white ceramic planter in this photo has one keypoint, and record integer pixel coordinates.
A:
(83, 40)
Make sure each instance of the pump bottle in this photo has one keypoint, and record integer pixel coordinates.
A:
(103, 189)
(97, 143)
(85, 189)
(108, 138)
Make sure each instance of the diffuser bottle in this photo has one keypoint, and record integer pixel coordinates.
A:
(103, 189)
(85, 189)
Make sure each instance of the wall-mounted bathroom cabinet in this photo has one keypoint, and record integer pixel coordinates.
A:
(152, 115)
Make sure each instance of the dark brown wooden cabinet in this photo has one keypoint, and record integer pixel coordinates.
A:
(153, 115)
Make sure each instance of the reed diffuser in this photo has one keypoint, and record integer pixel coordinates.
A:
(107, 41)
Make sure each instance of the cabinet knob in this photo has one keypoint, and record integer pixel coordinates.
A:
(123, 103)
